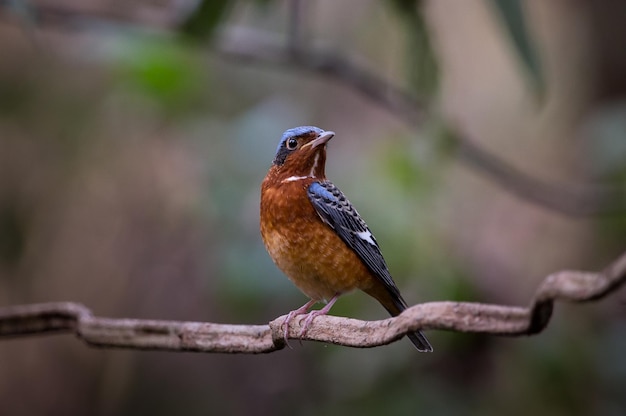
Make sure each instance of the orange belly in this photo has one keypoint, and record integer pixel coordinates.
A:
(309, 252)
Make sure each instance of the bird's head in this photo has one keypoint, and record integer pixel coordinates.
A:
(301, 153)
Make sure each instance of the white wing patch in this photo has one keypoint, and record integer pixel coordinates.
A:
(367, 236)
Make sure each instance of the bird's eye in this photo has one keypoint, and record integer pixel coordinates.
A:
(292, 143)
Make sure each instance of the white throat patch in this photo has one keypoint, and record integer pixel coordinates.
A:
(315, 162)
(311, 174)
(295, 178)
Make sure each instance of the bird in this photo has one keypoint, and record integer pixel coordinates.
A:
(315, 235)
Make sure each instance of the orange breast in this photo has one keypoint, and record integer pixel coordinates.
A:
(308, 251)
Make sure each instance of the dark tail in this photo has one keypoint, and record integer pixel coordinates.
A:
(419, 340)
(394, 304)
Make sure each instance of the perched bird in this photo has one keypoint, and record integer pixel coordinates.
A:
(316, 237)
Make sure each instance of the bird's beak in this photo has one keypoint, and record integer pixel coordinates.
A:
(321, 139)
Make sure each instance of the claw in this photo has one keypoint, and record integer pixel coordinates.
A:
(302, 310)
(314, 314)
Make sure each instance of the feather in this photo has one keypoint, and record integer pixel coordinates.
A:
(335, 210)
(338, 213)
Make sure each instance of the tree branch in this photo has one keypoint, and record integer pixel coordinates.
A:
(261, 48)
(570, 286)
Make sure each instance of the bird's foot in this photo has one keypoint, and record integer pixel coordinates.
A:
(302, 310)
(314, 314)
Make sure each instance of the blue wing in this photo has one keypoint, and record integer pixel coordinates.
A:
(335, 210)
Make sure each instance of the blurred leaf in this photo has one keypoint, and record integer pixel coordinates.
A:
(24, 11)
(606, 147)
(263, 3)
(604, 154)
(513, 17)
(423, 69)
(201, 24)
(12, 234)
(162, 71)
(445, 141)
(404, 171)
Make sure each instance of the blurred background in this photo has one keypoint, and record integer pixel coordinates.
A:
(134, 137)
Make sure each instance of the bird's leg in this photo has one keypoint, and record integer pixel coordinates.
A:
(300, 311)
(313, 314)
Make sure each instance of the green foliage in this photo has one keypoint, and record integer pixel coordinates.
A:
(422, 69)
(145, 226)
(404, 171)
(514, 21)
(605, 152)
(12, 233)
(162, 71)
(202, 23)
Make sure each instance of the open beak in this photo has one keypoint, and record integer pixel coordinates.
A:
(321, 139)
